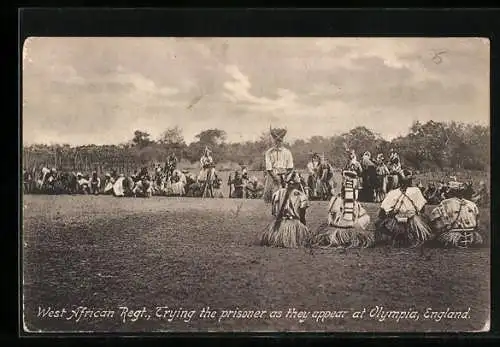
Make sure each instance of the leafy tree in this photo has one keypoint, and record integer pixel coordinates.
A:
(212, 137)
(141, 138)
(172, 137)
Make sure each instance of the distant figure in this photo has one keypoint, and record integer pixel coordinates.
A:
(369, 178)
(207, 165)
(394, 170)
(178, 183)
(119, 186)
(170, 165)
(27, 181)
(159, 182)
(83, 185)
(313, 175)
(108, 184)
(320, 177)
(382, 173)
(394, 162)
(244, 173)
(254, 188)
(238, 186)
(143, 184)
(50, 181)
(95, 184)
(279, 163)
(354, 166)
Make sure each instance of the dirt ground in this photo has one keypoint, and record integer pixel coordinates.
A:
(188, 254)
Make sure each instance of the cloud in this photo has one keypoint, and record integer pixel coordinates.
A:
(238, 91)
(99, 89)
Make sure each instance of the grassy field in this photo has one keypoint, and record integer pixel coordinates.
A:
(104, 252)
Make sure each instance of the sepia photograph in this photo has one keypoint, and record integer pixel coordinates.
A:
(255, 184)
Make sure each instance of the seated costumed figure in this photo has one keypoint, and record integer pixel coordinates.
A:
(143, 186)
(288, 206)
(238, 186)
(108, 184)
(400, 215)
(254, 188)
(123, 186)
(178, 183)
(159, 182)
(455, 221)
(95, 183)
(347, 219)
(40, 183)
(51, 181)
(83, 185)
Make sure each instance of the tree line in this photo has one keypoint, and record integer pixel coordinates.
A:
(426, 146)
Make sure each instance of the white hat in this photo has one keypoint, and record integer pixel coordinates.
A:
(79, 174)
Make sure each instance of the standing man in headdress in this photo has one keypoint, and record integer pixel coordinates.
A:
(382, 173)
(279, 162)
(170, 165)
(354, 166)
(207, 165)
(394, 162)
(395, 170)
(313, 171)
(369, 177)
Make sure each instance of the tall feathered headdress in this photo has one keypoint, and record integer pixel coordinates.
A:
(277, 133)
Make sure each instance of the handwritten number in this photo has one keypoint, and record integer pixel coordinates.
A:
(437, 59)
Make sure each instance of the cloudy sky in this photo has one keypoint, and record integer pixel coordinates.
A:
(99, 90)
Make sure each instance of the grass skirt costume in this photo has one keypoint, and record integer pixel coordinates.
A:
(455, 222)
(289, 228)
(401, 222)
(347, 220)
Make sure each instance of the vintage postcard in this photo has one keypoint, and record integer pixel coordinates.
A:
(255, 184)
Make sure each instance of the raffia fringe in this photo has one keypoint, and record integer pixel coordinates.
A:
(354, 237)
(290, 234)
(452, 238)
(412, 233)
